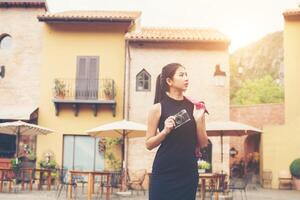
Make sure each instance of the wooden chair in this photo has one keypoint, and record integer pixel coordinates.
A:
(285, 180)
(267, 179)
(6, 177)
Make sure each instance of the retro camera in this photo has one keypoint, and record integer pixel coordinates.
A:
(181, 118)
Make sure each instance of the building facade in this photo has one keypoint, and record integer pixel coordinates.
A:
(20, 64)
(83, 82)
(280, 144)
(199, 51)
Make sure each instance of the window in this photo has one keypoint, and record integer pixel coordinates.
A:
(5, 41)
(87, 77)
(82, 153)
(143, 81)
(7, 146)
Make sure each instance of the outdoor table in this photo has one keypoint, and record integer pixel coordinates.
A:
(91, 175)
(4, 172)
(32, 171)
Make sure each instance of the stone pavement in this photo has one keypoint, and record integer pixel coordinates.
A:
(259, 194)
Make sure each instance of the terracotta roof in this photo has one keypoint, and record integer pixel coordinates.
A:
(293, 12)
(90, 16)
(22, 4)
(177, 34)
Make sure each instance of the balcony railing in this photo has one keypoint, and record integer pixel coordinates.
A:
(95, 92)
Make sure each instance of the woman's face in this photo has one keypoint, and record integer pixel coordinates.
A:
(180, 79)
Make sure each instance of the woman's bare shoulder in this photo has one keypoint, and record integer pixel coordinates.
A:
(155, 109)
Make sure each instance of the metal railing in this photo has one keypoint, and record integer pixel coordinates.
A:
(84, 89)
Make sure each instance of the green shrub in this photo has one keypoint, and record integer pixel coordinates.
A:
(295, 168)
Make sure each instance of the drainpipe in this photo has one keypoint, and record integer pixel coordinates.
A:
(127, 81)
(126, 103)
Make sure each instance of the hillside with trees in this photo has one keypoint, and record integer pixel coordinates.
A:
(257, 72)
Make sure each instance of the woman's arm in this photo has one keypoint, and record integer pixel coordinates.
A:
(153, 136)
(202, 139)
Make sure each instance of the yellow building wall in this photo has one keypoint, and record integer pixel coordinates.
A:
(62, 44)
(281, 144)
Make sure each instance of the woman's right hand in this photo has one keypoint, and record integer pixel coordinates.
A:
(169, 124)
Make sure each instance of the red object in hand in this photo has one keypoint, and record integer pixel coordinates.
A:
(199, 104)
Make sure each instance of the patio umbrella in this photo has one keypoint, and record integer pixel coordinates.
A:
(122, 129)
(229, 128)
(22, 128)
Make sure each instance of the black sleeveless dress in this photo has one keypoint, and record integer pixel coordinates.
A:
(174, 171)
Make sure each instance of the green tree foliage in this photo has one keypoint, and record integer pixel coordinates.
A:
(258, 91)
(261, 63)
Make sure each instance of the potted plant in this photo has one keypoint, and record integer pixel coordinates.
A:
(28, 157)
(203, 166)
(295, 172)
(48, 162)
(47, 165)
(108, 89)
(59, 89)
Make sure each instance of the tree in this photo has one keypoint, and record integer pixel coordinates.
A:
(259, 91)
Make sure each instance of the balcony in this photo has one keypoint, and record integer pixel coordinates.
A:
(78, 92)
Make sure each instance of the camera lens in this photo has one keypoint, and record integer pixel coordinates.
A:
(178, 120)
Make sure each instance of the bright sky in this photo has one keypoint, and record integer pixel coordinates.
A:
(243, 21)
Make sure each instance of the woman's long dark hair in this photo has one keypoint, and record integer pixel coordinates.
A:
(162, 86)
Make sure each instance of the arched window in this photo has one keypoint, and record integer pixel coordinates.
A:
(5, 41)
(143, 81)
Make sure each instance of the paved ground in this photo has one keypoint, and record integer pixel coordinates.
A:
(255, 193)
(258, 194)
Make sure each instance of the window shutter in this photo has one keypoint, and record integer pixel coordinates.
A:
(87, 77)
(93, 77)
(81, 78)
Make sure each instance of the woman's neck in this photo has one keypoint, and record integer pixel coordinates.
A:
(175, 95)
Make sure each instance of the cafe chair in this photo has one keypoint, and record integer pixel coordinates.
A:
(285, 180)
(267, 179)
(80, 179)
(64, 182)
(114, 183)
(240, 184)
(217, 184)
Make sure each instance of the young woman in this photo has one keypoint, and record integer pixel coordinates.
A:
(179, 129)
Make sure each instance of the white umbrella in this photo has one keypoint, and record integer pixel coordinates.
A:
(119, 128)
(22, 128)
(122, 129)
(229, 128)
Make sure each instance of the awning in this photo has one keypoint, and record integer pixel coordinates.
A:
(18, 112)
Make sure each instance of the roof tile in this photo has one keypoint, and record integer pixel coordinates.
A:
(22, 3)
(90, 16)
(177, 34)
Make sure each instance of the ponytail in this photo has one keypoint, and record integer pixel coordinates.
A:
(162, 87)
(159, 93)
